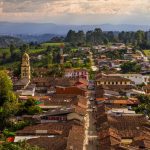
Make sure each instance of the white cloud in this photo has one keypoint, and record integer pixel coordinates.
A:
(76, 6)
(44, 10)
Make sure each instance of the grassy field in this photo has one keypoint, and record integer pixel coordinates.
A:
(52, 44)
(147, 53)
(74, 49)
(2, 50)
(36, 51)
(11, 65)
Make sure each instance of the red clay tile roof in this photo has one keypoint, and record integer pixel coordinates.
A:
(123, 102)
(114, 79)
(109, 139)
(50, 81)
(75, 138)
(101, 99)
(47, 129)
(143, 140)
(100, 90)
(70, 90)
(55, 143)
(110, 132)
(80, 110)
(127, 125)
(76, 70)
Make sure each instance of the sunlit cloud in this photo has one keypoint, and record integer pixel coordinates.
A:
(45, 10)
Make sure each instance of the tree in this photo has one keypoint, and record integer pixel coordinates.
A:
(56, 70)
(8, 100)
(5, 55)
(5, 87)
(68, 65)
(49, 59)
(75, 38)
(105, 68)
(128, 67)
(89, 37)
(34, 110)
(30, 107)
(111, 37)
(24, 48)
(18, 146)
(80, 38)
(12, 49)
(30, 102)
(49, 49)
(144, 106)
(139, 36)
(95, 37)
(71, 36)
(98, 36)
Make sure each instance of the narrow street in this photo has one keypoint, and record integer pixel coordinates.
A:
(91, 138)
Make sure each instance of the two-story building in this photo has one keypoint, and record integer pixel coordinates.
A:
(113, 80)
(136, 78)
(77, 73)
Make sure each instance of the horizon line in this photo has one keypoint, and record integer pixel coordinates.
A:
(74, 24)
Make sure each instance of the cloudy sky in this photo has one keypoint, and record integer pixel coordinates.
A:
(76, 11)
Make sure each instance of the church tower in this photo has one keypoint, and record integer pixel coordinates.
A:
(25, 67)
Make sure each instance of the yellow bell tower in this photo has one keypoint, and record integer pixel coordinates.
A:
(25, 67)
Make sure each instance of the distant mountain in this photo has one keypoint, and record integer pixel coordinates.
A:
(35, 38)
(44, 28)
(6, 41)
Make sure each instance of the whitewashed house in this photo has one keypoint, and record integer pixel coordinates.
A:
(77, 73)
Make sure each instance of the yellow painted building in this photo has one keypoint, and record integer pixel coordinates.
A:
(25, 67)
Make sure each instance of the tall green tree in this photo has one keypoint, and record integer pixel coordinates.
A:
(8, 100)
(98, 36)
(5, 87)
(12, 49)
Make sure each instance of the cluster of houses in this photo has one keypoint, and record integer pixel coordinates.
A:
(118, 126)
(130, 55)
(114, 46)
(64, 103)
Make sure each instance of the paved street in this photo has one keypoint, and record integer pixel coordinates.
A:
(90, 129)
(91, 141)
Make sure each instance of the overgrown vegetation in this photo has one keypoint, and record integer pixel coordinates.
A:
(9, 104)
(18, 146)
(144, 106)
(130, 67)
